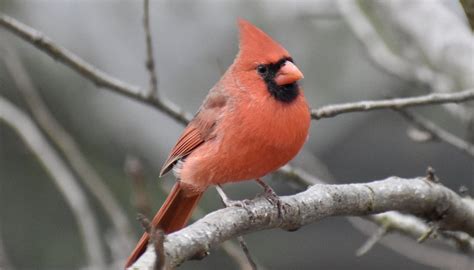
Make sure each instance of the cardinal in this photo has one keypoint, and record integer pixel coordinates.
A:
(253, 121)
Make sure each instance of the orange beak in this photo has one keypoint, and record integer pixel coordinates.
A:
(288, 74)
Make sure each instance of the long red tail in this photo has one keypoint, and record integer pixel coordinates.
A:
(172, 216)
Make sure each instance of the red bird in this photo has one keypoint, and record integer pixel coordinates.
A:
(253, 121)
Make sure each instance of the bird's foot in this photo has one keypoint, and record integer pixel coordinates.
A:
(235, 203)
(228, 202)
(271, 196)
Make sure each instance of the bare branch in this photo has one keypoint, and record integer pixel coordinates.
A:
(434, 257)
(378, 51)
(371, 241)
(396, 103)
(246, 251)
(439, 132)
(416, 196)
(71, 150)
(437, 56)
(100, 78)
(235, 252)
(413, 227)
(150, 62)
(62, 177)
(394, 221)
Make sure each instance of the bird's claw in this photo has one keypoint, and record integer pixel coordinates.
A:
(271, 196)
(235, 203)
(228, 202)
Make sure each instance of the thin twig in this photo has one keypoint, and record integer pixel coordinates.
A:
(88, 71)
(299, 175)
(414, 228)
(429, 233)
(246, 251)
(422, 254)
(145, 222)
(71, 150)
(438, 132)
(64, 179)
(150, 62)
(235, 252)
(396, 103)
(157, 238)
(371, 241)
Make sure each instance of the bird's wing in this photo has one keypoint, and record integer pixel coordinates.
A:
(198, 130)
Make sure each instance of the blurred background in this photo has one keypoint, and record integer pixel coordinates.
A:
(126, 141)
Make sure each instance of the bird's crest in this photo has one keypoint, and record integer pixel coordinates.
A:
(256, 46)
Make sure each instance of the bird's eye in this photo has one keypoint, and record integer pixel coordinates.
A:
(262, 69)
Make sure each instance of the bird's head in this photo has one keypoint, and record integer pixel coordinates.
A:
(264, 62)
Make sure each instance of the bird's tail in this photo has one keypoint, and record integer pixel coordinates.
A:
(172, 216)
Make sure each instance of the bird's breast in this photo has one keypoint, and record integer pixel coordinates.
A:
(251, 140)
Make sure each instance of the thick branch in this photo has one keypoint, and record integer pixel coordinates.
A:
(417, 196)
(396, 103)
(100, 78)
(394, 221)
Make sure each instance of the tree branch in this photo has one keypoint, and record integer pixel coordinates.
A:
(437, 56)
(439, 133)
(150, 62)
(100, 78)
(394, 221)
(63, 179)
(434, 257)
(396, 103)
(417, 196)
(72, 153)
(411, 226)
